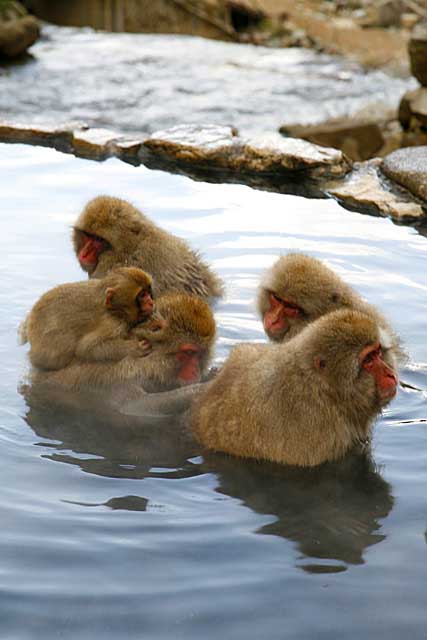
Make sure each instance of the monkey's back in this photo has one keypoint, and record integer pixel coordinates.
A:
(59, 319)
(175, 267)
(265, 407)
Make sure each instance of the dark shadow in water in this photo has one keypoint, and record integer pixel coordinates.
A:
(126, 503)
(332, 512)
(124, 446)
(23, 59)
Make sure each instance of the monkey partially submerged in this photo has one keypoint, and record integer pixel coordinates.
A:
(180, 356)
(298, 289)
(91, 321)
(304, 402)
(111, 232)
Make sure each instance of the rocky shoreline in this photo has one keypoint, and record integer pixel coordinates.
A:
(391, 187)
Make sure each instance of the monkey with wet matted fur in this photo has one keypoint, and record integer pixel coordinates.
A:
(179, 357)
(304, 402)
(112, 232)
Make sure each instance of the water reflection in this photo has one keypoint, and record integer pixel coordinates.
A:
(101, 441)
(332, 512)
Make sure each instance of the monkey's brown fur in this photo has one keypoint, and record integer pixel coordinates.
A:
(188, 320)
(133, 239)
(74, 320)
(273, 402)
(317, 290)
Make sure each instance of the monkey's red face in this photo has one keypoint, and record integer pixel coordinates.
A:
(91, 247)
(372, 361)
(188, 358)
(279, 316)
(145, 303)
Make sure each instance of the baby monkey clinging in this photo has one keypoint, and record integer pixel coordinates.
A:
(91, 321)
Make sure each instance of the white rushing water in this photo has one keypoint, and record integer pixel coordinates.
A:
(141, 83)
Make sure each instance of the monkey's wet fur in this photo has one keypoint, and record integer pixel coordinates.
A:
(304, 402)
(111, 232)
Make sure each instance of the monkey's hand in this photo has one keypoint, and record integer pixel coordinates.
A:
(143, 333)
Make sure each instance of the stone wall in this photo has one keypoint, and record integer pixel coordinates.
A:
(209, 18)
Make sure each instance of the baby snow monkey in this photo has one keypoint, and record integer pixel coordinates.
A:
(92, 321)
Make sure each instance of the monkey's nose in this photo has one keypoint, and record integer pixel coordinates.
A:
(274, 321)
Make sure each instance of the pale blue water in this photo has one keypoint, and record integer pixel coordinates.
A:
(116, 534)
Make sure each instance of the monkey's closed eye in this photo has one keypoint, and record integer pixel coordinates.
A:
(287, 304)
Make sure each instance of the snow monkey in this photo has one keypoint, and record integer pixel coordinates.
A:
(179, 357)
(91, 321)
(112, 232)
(304, 402)
(298, 289)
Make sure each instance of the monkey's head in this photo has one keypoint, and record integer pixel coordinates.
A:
(129, 294)
(352, 359)
(107, 231)
(296, 290)
(185, 353)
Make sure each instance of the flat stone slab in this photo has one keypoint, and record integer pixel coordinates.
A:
(222, 147)
(43, 135)
(366, 190)
(76, 138)
(408, 167)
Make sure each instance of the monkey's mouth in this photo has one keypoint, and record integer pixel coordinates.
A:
(277, 333)
(385, 395)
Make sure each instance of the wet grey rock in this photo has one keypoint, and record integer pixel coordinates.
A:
(366, 190)
(76, 138)
(418, 53)
(59, 137)
(408, 167)
(212, 146)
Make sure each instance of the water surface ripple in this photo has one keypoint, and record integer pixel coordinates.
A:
(130, 533)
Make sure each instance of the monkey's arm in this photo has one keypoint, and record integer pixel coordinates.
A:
(163, 403)
(109, 341)
(152, 329)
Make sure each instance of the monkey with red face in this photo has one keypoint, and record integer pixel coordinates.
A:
(305, 402)
(111, 232)
(180, 356)
(299, 289)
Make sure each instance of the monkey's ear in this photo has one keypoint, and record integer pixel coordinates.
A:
(319, 363)
(109, 297)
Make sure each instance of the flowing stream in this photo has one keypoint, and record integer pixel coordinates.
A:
(140, 83)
